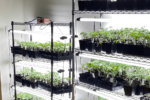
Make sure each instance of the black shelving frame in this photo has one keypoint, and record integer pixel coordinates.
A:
(51, 24)
(74, 12)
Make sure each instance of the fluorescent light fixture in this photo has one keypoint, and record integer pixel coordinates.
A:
(41, 33)
(117, 60)
(93, 19)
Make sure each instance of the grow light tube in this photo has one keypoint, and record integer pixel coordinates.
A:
(40, 33)
(117, 60)
(94, 19)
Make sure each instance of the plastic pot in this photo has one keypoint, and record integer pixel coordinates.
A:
(98, 48)
(110, 48)
(130, 4)
(129, 90)
(112, 84)
(126, 48)
(119, 47)
(139, 50)
(89, 4)
(24, 52)
(146, 89)
(146, 52)
(141, 4)
(28, 83)
(103, 5)
(90, 46)
(132, 49)
(57, 54)
(16, 50)
(34, 85)
(24, 82)
(82, 44)
(18, 77)
(81, 4)
(112, 5)
(34, 54)
(121, 4)
(91, 80)
(103, 46)
(96, 5)
(139, 90)
(148, 5)
(65, 54)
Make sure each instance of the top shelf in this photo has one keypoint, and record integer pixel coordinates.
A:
(34, 24)
(113, 12)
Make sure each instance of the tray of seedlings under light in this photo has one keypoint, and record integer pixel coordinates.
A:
(114, 76)
(43, 50)
(34, 79)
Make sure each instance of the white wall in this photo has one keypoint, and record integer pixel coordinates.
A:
(10, 10)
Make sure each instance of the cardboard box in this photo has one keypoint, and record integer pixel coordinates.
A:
(43, 21)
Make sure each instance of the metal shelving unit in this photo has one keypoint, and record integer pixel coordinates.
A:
(30, 61)
(125, 59)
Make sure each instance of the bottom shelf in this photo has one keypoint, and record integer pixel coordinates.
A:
(42, 93)
(110, 95)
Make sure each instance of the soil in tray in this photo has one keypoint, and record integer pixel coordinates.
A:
(82, 5)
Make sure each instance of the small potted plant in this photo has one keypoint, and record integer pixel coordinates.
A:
(67, 87)
(130, 86)
(147, 46)
(84, 41)
(146, 88)
(17, 49)
(141, 76)
(25, 72)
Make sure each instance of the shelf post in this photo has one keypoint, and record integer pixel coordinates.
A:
(73, 45)
(12, 24)
(70, 59)
(52, 60)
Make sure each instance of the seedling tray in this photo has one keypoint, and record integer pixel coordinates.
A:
(57, 58)
(117, 87)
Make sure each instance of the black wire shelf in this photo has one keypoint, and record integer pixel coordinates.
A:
(113, 12)
(34, 24)
(114, 95)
